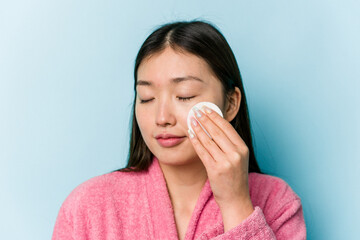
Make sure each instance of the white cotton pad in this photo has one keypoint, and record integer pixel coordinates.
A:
(199, 106)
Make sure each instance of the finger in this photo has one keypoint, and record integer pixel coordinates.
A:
(206, 142)
(226, 127)
(218, 136)
(203, 154)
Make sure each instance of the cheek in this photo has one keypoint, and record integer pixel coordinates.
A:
(141, 119)
(182, 114)
(182, 117)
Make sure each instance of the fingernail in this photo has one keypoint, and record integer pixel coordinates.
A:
(197, 111)
(190, 133)
(206, 109)
(194, 122)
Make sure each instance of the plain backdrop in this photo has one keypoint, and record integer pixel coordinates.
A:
(66, 88)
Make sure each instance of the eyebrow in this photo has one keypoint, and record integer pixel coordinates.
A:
(173, 80)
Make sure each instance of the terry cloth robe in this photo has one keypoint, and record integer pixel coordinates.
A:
(129, 205)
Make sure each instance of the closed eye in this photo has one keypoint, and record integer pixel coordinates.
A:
(184, 99)
(145, 101)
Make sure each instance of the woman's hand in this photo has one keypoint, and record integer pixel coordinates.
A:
(226, 159)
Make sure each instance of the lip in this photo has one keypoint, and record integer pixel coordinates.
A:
(167, 135)
(169, 140)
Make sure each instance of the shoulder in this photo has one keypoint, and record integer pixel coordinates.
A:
(96, 199)
(111, 181)
(101, 189)
(272, 194)
(265, 187)
(263, 184)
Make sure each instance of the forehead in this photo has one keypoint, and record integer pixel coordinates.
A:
(174, 67)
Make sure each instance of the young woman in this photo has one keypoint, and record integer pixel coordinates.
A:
(180, 184)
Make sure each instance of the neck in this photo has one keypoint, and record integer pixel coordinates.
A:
(184, 182)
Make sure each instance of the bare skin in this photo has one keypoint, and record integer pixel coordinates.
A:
(184, 185)
(186, 166)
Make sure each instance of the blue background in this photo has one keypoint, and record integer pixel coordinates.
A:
(66, 86)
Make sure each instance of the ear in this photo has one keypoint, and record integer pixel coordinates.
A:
(233, 105)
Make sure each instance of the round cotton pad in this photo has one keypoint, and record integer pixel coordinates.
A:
(199, 106)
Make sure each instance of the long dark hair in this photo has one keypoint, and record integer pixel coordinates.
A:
(205, 41)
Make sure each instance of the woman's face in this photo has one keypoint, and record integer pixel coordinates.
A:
(169, 84)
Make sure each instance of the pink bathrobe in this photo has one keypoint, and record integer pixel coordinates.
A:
(137, 206)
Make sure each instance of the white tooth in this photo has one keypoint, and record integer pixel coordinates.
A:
(199, 106)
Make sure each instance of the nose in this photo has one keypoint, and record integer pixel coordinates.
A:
(165, 114)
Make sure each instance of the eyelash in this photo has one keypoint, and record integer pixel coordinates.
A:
(184, 99)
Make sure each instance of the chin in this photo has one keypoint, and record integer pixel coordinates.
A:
(176, 157)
